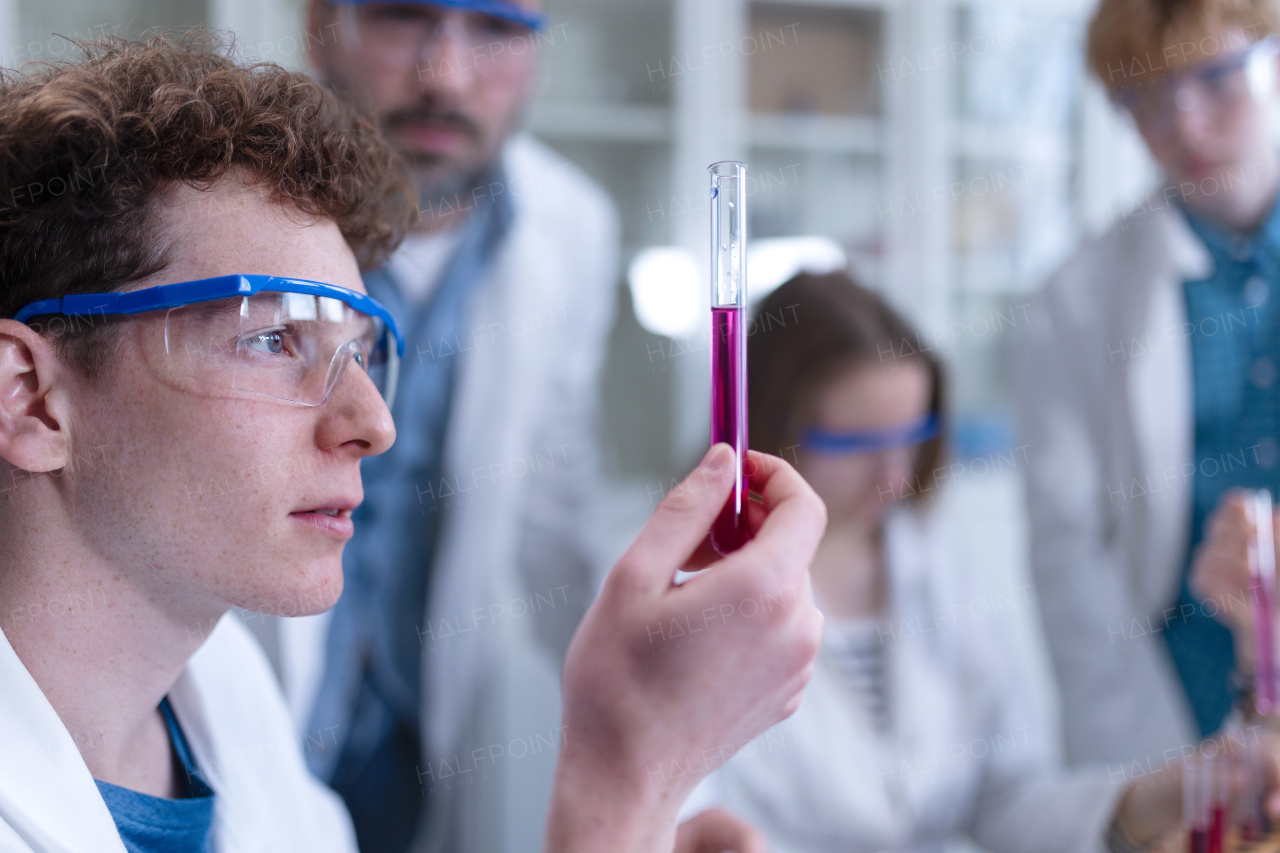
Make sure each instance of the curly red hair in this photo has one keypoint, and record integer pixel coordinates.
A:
(1135, 42)
(89, 147)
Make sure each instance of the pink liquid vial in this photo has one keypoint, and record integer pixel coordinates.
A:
(1262, 579)
(1247, 812)
(1218, 830)
(728, 420)
(729, 343)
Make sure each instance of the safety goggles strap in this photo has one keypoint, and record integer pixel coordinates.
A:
(872, 440)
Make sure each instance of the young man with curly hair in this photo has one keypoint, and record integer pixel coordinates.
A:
(190, 375)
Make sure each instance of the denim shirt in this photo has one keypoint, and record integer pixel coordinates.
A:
(370, 694)
(1234, 337)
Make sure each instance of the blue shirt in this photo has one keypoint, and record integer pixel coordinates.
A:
(150, 824)
(1234, 316)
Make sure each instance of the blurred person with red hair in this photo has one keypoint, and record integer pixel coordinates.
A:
(1148, 389)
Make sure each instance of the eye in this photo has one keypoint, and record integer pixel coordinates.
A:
(492, 27)
(398, 13)
(269, 341)
(1220, 77)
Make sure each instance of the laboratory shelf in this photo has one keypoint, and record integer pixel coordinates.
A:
(851, 134)
(838, 4)
(1073, 8)
(999, 140)
(602, 122)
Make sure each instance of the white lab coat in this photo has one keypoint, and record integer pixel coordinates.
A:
(971, 754)
(516, 563)
(230, 708)
(1105, 397)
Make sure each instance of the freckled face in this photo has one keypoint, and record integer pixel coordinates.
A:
(205, 495)
(1218, 134)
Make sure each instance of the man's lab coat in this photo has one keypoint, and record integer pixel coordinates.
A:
(1105, 396)
(229, 705)
(971, 754)
(516, 563)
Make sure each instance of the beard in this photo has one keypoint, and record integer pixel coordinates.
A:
(441, 185)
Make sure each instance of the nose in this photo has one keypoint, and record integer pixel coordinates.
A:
(449, 62)
(895, 468)
(355, 417)
(1190, 117)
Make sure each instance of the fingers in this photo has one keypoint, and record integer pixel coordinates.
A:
(717, 831)
(1231, 523)
(794, 515)
(679, 527)
(1221, 564)
(705, 554)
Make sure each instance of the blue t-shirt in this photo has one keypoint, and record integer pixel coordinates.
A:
(158, 825)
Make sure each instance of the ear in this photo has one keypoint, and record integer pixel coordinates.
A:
(33, 410)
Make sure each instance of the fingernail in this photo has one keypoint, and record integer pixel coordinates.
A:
(718, 458)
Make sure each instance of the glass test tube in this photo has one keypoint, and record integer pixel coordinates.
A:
(1197, 815)
(1262, 580)
(1219, 804)
(1249, 811)
(728, 341)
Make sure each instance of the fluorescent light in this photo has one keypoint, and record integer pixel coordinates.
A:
(666, 291)
(776, 260)
(666, 282)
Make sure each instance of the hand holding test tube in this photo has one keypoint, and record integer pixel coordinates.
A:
(728, 341)
(1234, 573)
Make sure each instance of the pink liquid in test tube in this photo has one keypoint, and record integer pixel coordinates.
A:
(728, 342)
(1262, 577)
(1218, 829)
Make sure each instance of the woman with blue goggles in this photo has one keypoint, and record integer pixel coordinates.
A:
(921, 729)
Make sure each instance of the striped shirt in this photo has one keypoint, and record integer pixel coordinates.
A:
(858, 649)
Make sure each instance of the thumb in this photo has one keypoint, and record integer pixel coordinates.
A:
(682, 520)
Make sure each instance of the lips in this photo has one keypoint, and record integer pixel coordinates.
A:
(1200, 168)
(432, 129)
(433, 138)
(329, 517)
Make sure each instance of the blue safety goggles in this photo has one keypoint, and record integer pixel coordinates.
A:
(872, 440)
(493, 8)
(1210, 81)
(286, 338)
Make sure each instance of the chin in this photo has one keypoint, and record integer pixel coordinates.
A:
(313, 588)
(873, 511)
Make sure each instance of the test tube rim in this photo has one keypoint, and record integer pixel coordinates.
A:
(727, 169)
